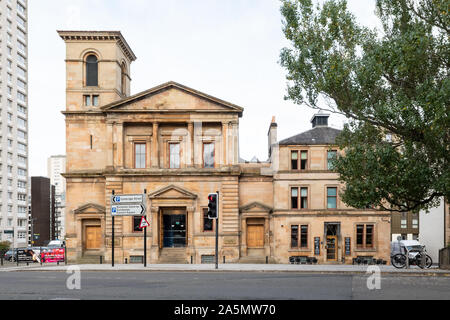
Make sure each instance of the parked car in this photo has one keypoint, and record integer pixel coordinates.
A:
(402, 245)
(56, 244)
(10, 255)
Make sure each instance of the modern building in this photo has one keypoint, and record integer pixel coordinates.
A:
(43, 224)
(447, 223)
(405, 225)
(55, 166)
(432, 229)
(176, 144)
(14, 184)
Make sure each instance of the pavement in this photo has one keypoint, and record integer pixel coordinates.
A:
(231, 267)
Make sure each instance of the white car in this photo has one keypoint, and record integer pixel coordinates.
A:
(56, 244)
(412, 246)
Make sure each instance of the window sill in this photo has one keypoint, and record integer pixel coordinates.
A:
(365, 250)
(299, 250)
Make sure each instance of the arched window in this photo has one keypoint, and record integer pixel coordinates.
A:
(123, 79)
(91, 71)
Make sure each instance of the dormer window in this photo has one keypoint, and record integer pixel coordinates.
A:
(91, 71)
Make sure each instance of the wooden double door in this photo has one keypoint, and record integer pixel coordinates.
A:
(255, 233)
(93, 237)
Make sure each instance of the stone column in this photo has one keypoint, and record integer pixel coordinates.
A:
(191, 224)
(266, 237)
(154, 234)
(197, 136)
(224, 143)
(243, 236)
(155, 146)
(118, 141)
(110, 145)
(191, 145)
(235, 142)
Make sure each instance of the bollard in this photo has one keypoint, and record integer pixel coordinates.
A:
(192, 259)
(1, 259)
(267, 260)
(101, 258)
(223, 259)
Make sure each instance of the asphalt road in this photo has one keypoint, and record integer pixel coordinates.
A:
(216, 285)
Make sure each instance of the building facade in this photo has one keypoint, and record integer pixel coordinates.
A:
(176, 145)
(55, 166)
(432, 230)
(405, 225)
(14, 184)
(43, 222)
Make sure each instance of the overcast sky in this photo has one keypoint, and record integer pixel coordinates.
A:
(228, 49)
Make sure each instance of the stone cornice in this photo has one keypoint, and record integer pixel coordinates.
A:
(328, 213)
(112, 107)
(99, 36)
(255, 204)
(227, 171)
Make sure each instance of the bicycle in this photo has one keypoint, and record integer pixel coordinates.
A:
(415, 258)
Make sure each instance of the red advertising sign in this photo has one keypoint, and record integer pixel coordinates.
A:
(52, 255)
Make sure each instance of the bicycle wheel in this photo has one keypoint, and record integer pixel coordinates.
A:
(398, 260)
(428, 262)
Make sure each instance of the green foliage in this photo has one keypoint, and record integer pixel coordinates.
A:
(395, 81)
(4, 246)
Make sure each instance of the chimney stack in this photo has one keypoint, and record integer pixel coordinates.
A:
(272, 135)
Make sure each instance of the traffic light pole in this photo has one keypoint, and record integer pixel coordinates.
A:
(217, 232)
(145, 234)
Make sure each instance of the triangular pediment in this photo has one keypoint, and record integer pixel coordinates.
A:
(172, 192)
(90, 208)
(255, 207)
(172, 97)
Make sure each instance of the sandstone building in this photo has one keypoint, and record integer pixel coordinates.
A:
(179, 144)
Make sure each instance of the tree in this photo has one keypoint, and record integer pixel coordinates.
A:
(4, 247)
(391, 81)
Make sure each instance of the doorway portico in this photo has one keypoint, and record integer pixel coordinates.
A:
(172, 212)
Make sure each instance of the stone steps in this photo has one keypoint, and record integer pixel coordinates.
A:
(90, 260)
(253, 260)
(173, 255)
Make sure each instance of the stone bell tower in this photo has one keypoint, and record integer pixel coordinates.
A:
(97, 68)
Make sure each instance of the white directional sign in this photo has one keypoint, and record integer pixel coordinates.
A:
(127, 198)
(137, 209)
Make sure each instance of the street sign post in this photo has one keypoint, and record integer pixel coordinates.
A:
(129, 205)
(144, 223)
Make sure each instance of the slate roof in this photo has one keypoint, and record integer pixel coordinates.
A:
(317, 135)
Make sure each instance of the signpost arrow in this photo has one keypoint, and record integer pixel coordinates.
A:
(128, 198)
(128, 210)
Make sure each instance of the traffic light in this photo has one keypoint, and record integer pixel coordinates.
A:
(212, 205)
